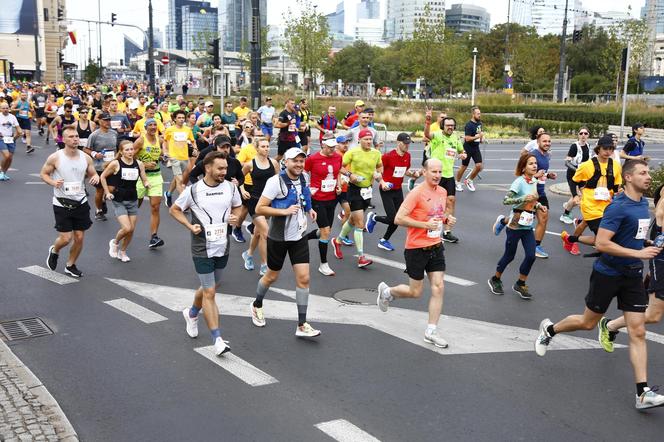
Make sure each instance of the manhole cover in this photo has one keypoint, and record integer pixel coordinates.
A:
(24, 328)
(357, 296)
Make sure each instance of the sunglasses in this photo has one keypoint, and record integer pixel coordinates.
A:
(584, 133)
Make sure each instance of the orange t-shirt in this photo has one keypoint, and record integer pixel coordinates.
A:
(424, 204)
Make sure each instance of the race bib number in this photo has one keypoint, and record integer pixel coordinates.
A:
(42, 104)
(297, 138)
(435, 233)
(180, 136)
(602, 194)
(82, 142)
(8, 140)
(328, 185)
(642, 230)
(365, 192)
(116, 124)
(23, 113)
(399, 172)
(109, 155)
(526, 219)
(231, 127)
(72, 188)
(450, 153)
(129, 174)
(215, 232)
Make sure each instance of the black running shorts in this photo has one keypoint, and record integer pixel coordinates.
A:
(298, 252)
(603, 288)
(419, 261)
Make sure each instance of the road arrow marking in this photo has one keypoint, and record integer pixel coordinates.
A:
(343, 431)
(238, 367)
(48, 274)
(137, 311)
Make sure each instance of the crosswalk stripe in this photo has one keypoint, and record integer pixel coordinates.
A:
(238, 367)
(402, 266)
(35, 182)
(343, 431)
(48, 274)
(655, 337)
(137, 311)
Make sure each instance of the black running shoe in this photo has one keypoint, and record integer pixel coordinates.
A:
(448, 237)
(155, 242)
(52, 259)
(522, 291)
(72, 270)
(496, 286)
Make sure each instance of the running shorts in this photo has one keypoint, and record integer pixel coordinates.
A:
(473, 153)
(70, 220)
(603, 288)
(429, 259)
(298, 252)
(156, 182)
(656, 278)
(355, 199)
(449, 184)
(325, 212)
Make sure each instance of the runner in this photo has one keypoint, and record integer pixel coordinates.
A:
(535, 132)
(578, 153)
(102, 148)
(396, 165)
(178, 139)
(362, 165)
(523, 197)
(352, 116)
(473, 136)
(51, 110)
(246, 136)
(618, 273)
(60, 122)
(119, 121)
(214, 204)
(286, 199)
(323, 168)
(328, 123)
(342, 147)
(543, 157)
(242, 110)
(304, 130)
(423, 213)
(123, 173)
(266, 113)
(66, 170)
(230, 120)
(10, 130)
(205, 119)
(221, 144)
(287, 124)
(23, 108)
(633, 149)
(39, 105)
(84, 127)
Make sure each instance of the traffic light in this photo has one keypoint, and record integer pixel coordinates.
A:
(61, 58)
(577, 35)
(114, 18)
(623, 60)
(61, 13)
(213, 52)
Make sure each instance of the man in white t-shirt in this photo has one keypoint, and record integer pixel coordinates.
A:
(266, 112)
(9, 132)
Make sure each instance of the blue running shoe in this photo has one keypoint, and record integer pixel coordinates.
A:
(237, 235)
(371, 222)
(540, 253)
(498, 226)
(263, 270)
(347, 241)
(248, 260)
(385, 245)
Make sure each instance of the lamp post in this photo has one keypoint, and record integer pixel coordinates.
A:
(472, 95)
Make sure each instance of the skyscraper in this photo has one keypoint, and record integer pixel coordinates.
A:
(403, 14)
(467, 18)
(187, 18)
(547, 15)
(235, 21)
(658, 19)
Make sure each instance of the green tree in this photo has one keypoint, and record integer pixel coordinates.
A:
(92, 71)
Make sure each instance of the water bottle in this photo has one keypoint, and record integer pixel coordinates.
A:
(390, 186)
(659, 241)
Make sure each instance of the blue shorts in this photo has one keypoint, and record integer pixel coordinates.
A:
(267, 130)
(11, 147)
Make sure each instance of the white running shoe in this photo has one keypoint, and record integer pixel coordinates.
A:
(113, 248)
(325, 269)
(192, 323)
(649, 399)
(383, 301)
(122, 256)
(257, 316)
(221, 347)
(435, 339)
(469, 184)
(543, 339)
(306, 331)
(459, 187)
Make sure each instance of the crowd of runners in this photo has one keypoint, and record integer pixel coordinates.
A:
(115, 141)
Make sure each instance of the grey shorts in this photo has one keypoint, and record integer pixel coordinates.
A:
(129, 208)
(179, 166)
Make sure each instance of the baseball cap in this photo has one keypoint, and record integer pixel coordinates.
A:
(67, 98)
(637, 125)
(106, 116)
(268, 99)
(605, 141)
(329, 140)
(365, 133)
(222, 140)
(359, 103)
(369, 110)
(209, 103)
(344, 138)
(294, 152)
(404, 138)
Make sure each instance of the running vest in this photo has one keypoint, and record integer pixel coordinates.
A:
(83, 134)
(578, 159)
(23, 108)
(151, 152)
(610, 179)
(72, 172)
(125, 181)
(259, 178)
(291, 197)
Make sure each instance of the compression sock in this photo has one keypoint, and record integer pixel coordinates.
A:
(550, 331)
(345, 230)
(193, 311)
(216, 333)
(261, 290)
(322, 250)
(302, 300)
(359, 241)
(640, 386)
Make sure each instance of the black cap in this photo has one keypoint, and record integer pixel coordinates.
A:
(220, 140)
(606, 141)
(369, 110)
(105, 116)
(637, 125)
(404, 138)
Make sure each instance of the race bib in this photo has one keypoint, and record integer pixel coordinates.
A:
(82, 142)
(8, 140)
(231, 127)
(72, 188)
(116, 124)
(602, 194)
(642, 230)
(365, 192)
(129, 174)
(297, 138)
(215, 232)
(399, 172)
(450, 153)
(436, 232)
(328, 185)
(109, 155)
(23, 113)
(42, 104)
(526, 219)
(180, 136)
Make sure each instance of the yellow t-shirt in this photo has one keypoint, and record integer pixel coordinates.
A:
(122, 106)
(246, 154)
(139, 127)
(435, 127)
(590, 207)
(177, 142)
(241, 112)
(140, 111)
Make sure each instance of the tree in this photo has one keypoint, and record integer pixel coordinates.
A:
(92, 71)
(307, 39)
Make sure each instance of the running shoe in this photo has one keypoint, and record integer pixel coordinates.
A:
(649, 399)
(257, 317)
(52, 258)
(3, 177)
(498, 226)
(469, 184)
(383, 299)
(604, 335)
(496, 286)
(221, 347)
(567, 245)
(566, 219)
(543, 339)
(435, 339)
(325, 269)
(248, 260)
(347, 241)
(237, 235)
(99, 216)
(72, 270)
(540, 253)
(337, 249)
(113, 248)
(411, 184)
(191, 323)
(29, 149)
(448, 237)
(385, 245)
(371, 222)
(575, 249)
(522, 291)
(6, 178)
(122, 256)
(306, 331)
(459, 187)
(168, 199)
(577, 221)
(263, 270)
(362, 262)
(155, 242)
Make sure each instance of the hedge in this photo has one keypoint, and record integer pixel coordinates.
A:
(552, 127)
(589, 116)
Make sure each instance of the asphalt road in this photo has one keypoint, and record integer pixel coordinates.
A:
(120, 379)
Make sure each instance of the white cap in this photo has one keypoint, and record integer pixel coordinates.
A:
(209, 103)
(294, 152)
(332, 142)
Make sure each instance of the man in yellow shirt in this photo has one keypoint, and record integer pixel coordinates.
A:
(142, 106)
(139, 127)
(242, 110)
(177, 141)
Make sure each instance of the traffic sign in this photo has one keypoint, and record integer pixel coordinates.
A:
(165, 59)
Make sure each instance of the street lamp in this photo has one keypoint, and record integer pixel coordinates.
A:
(472, 96)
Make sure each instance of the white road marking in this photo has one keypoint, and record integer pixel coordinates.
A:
(49, 275)
(466, 336)
(35, 182)
(137, 311)
(402, 266)
(343, 431)
(655, 337)
(238, 367)
(36, 175)
(552, 233)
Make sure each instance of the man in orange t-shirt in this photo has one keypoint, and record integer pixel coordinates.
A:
(423, 213)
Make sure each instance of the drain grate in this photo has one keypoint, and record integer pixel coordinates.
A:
(359, 296)
(24, 328)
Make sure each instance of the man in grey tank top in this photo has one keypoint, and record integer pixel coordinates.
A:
(66, 171)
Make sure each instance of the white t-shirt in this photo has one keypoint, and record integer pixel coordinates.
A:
(266, 113)
(531, 146)
(286, 228)
(7, 124)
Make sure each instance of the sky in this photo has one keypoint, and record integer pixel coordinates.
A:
(135, 12)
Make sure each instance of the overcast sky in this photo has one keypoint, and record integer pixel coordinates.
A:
(135, 12)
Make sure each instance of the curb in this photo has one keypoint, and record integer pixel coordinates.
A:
(64, 429)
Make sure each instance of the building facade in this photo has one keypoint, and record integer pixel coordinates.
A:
(547, 16)
(467, 18)
(187, 18)
(235, 20)
(402, 15)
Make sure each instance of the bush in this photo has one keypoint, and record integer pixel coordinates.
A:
(657, 175)
(552, 127)
(595, 115)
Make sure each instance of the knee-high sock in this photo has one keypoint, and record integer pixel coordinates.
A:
(261, 290)
(322, 250)
(345, 229)
(359, 240)
(302, 300)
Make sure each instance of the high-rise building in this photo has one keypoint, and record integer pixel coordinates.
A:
(131, 48)
(467, 18)
(547, 16)
(402, 15)
(187, 18)
(368, 9)
(235, 21)
(521, 13)
(658, 18)
(198, 26)
(335, 20)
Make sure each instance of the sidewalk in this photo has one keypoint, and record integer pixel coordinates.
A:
(28, 412)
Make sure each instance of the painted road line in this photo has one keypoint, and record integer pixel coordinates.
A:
(343, 431)
(35, 182)
(655, 337)
(48, 274)
(402, 266)
(552, 233)
(238, 367)
(137, 311)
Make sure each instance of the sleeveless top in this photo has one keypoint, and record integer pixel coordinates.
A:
(83, 134)
(23, 108)
(72, 171)
(259, 177)
(150, 153)
(125, 181)
(64, 121)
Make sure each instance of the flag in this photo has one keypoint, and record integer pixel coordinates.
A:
(72, 37)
